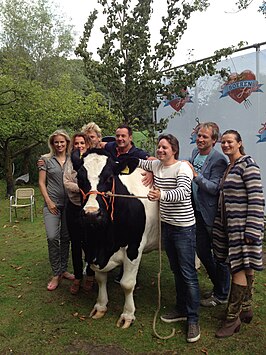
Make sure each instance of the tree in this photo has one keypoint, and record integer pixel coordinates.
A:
(34, 112)
(133, 71)
(40, 90)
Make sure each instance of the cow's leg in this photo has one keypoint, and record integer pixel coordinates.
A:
(128, 282)
(100, 307)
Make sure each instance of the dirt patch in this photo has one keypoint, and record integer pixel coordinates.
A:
(81, 346)
(91, 349)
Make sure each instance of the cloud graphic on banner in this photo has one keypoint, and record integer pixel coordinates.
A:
(194, 132)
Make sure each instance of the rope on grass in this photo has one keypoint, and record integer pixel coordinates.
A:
(159, 285)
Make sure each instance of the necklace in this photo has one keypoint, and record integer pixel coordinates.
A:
(61, 160)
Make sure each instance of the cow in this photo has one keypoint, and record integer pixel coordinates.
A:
(120, 224)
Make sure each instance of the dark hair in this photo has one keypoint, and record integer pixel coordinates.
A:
(172, 140)
(237, 138)
(79, 134)
(130, 131)
(214, 126)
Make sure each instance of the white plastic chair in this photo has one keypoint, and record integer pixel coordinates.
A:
(24, 197)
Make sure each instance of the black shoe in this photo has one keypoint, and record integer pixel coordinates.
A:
(173, 316)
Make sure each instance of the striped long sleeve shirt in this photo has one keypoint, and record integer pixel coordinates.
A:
(174, 182)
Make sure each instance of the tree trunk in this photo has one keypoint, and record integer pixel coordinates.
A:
(8, 171)
(26, 162)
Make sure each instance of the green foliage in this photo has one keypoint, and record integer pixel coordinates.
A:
(243, 4)
(133, 72)
(34, 28)
(40, 89)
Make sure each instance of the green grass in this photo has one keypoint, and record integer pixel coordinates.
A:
(35, 321)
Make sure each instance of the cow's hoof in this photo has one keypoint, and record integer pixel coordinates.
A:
(124, 324)
(95, 314)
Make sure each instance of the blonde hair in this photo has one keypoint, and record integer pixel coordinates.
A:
(58, 132)
(92, 126)
(210, 125)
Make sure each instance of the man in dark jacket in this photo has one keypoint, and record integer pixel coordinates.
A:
(123, 145)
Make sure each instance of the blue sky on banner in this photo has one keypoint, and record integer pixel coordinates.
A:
(220, 26)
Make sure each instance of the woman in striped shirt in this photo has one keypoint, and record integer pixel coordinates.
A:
(172, 187)
(238, 230)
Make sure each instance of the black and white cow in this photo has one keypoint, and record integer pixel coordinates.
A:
(119, 229)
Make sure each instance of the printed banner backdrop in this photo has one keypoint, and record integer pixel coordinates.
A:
(239, 103)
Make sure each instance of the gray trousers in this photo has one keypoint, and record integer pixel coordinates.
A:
(58, 240)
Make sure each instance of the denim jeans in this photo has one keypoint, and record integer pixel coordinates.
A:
(218, 272)
(180, 247)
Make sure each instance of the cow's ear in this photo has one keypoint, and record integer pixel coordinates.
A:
(127, 166)
(76, 159)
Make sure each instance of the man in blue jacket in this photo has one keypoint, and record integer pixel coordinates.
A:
(208, 167)
(123, 145)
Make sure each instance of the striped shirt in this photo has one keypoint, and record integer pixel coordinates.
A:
(174, 182)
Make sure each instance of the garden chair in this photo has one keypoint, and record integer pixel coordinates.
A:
(24, 197)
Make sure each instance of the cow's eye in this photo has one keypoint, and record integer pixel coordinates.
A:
(109, 179)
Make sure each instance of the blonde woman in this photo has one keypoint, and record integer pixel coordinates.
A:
(94, 133)
(54, 212)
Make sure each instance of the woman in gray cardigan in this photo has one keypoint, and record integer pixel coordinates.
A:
(238, 230)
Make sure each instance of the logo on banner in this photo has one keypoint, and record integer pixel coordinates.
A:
(262, 133)
(194, 132)
(240, 86)
(177, 102)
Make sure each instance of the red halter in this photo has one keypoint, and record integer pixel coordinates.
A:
(103, 194)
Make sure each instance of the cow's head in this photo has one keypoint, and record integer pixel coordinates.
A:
(96, 177)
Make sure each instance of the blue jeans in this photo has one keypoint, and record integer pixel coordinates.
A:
(218, 272)
(180, 247)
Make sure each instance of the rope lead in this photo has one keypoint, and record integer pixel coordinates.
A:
(159, 283)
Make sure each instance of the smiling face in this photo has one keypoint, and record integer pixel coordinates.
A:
(165, 152)
(79, 143)
(123, 139)
(230, 145)
(59, 144)
(204, 140)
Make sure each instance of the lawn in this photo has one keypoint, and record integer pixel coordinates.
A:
(35, 321)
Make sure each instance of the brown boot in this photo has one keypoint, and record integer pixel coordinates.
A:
(74, 289)
(232, 323)
(246, 314)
